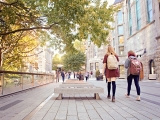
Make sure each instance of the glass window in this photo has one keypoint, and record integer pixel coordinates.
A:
(138, 14)
(121, 39)
(96, 66)
(120, 17)
(113, 42)
(122, 70)
(91, 66)
(129, 17)
(149, 10)
(120, 30)
(121, 50)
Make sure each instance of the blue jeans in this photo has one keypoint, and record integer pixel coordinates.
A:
(136, 81)
(63, 78)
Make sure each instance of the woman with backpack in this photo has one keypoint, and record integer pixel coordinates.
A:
(133, 67)
(111, 70)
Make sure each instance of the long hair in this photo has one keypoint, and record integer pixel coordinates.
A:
(131, 53)
(110, 50)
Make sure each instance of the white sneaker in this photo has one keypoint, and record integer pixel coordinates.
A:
(138, 98)
(127, 96)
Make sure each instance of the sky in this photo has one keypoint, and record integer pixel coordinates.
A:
(110, 2)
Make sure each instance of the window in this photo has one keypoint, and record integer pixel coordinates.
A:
(121, 50)
(121, 40)
(129, 17)
(149, 10)
(122, 70)
(113, 42)
(120, 17)
(138, 14)
(91, 66)
(120, 30)
(96, 66)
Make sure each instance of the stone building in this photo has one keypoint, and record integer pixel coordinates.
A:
(118, 36)
(94, 57)
(137, 26)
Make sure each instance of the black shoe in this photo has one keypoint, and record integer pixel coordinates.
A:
(109, 97)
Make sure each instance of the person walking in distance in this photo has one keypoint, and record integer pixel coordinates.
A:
(86, 75)
(63, 75)
(110, 63)
(91, 74)
(133, 66)
(57, 75)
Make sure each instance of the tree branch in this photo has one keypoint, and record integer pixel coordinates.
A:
(27, 29)
(5, 3)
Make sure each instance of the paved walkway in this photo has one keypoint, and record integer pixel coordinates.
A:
(41, 104)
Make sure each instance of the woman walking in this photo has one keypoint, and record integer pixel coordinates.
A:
(111, 70)
(133, 73)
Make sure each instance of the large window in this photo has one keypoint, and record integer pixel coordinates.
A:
(121, 50)
(138, 14)
(91, 66)
(120, 17)
(114, 42)
(122, 70)
(120, 30)
(129, 17)
(149, 10)
(97, 66)
(121, 40)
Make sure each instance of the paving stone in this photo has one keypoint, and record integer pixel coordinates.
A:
(49, 116)
(103, 114)
(84, 107)
(72, 118)
(93, 114)
(131, 119)
(83, 116)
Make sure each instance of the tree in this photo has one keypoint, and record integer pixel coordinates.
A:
(56, 61)
(61, 17)
(73, 61)
(79, 45)
(16, 48)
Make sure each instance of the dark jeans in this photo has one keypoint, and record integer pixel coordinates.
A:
(136, 81)
(63, 78)
(86, 78)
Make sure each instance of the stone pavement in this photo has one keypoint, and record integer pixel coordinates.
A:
(40, 104)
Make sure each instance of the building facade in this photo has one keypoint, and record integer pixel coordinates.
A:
(137, 26)
(94, 58)
(44, 60)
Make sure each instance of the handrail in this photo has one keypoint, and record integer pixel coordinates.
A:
(16, 72)
(19, 81)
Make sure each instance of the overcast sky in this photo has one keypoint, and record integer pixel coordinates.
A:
(110, 2)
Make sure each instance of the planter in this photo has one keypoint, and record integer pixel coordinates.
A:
(100, 77)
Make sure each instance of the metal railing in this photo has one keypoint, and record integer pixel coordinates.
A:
(12, 82)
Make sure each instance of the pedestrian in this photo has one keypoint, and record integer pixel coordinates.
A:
(133, 67)
(110, 63)
(63, 75)
(57, 75)
(86, 75)
(91, 74)
(80, 76)
(69, 75)
(74, 74)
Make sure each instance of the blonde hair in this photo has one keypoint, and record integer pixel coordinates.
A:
(110, 50)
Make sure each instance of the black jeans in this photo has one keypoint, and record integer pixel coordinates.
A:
(136, 81)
